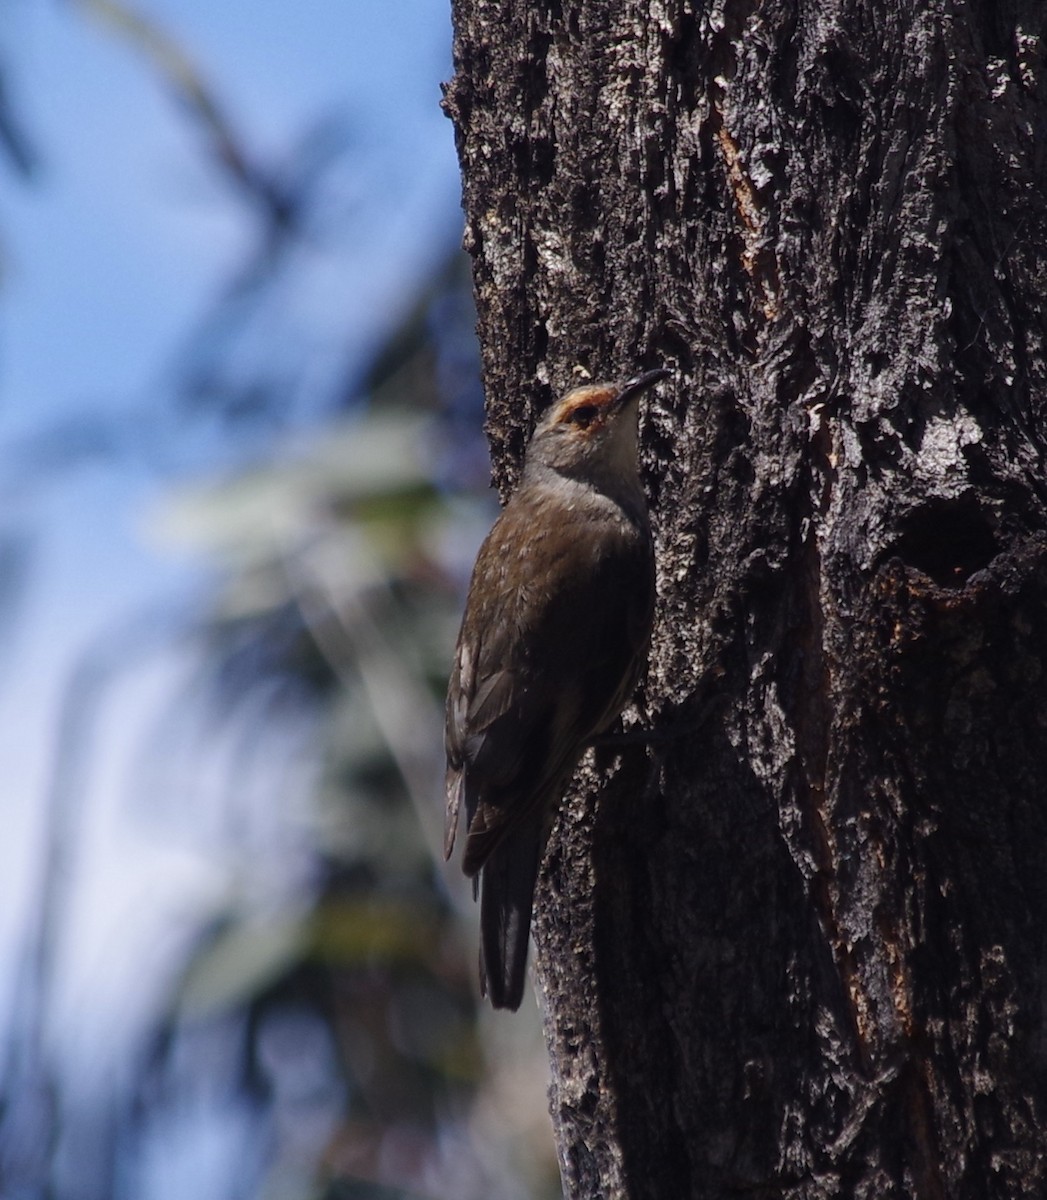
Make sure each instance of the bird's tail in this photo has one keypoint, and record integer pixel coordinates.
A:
(506, 898)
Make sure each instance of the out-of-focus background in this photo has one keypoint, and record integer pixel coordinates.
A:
(242, 478)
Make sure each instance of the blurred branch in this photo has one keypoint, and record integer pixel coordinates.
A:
(186, 81)
(13, 140)
(282, 193)
(28, 1121)
(343, 621)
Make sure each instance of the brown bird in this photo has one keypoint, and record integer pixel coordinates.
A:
(553, 642)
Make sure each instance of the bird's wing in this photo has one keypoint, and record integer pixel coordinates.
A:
(540, 666)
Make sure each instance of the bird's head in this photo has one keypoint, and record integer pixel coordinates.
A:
(592, 429)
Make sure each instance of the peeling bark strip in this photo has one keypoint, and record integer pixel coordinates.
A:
(801, 951)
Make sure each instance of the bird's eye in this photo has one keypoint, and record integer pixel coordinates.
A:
(584, 415)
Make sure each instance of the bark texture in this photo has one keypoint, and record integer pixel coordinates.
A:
(801, 950)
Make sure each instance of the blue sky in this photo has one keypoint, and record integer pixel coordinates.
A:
(120, 244)
(128, 233)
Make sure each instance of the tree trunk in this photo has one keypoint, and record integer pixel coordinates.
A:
(799, 947)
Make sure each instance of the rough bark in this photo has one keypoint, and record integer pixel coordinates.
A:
(800, 949)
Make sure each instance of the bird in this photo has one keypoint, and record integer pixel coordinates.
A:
(553, 642)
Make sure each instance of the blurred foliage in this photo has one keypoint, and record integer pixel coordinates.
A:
(340, 565)
(331, 1030)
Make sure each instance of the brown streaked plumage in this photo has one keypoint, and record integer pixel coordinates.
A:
(552, 644)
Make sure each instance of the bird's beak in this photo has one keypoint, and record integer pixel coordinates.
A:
(641, 383)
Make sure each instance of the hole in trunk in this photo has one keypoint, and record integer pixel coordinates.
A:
(949, 540)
